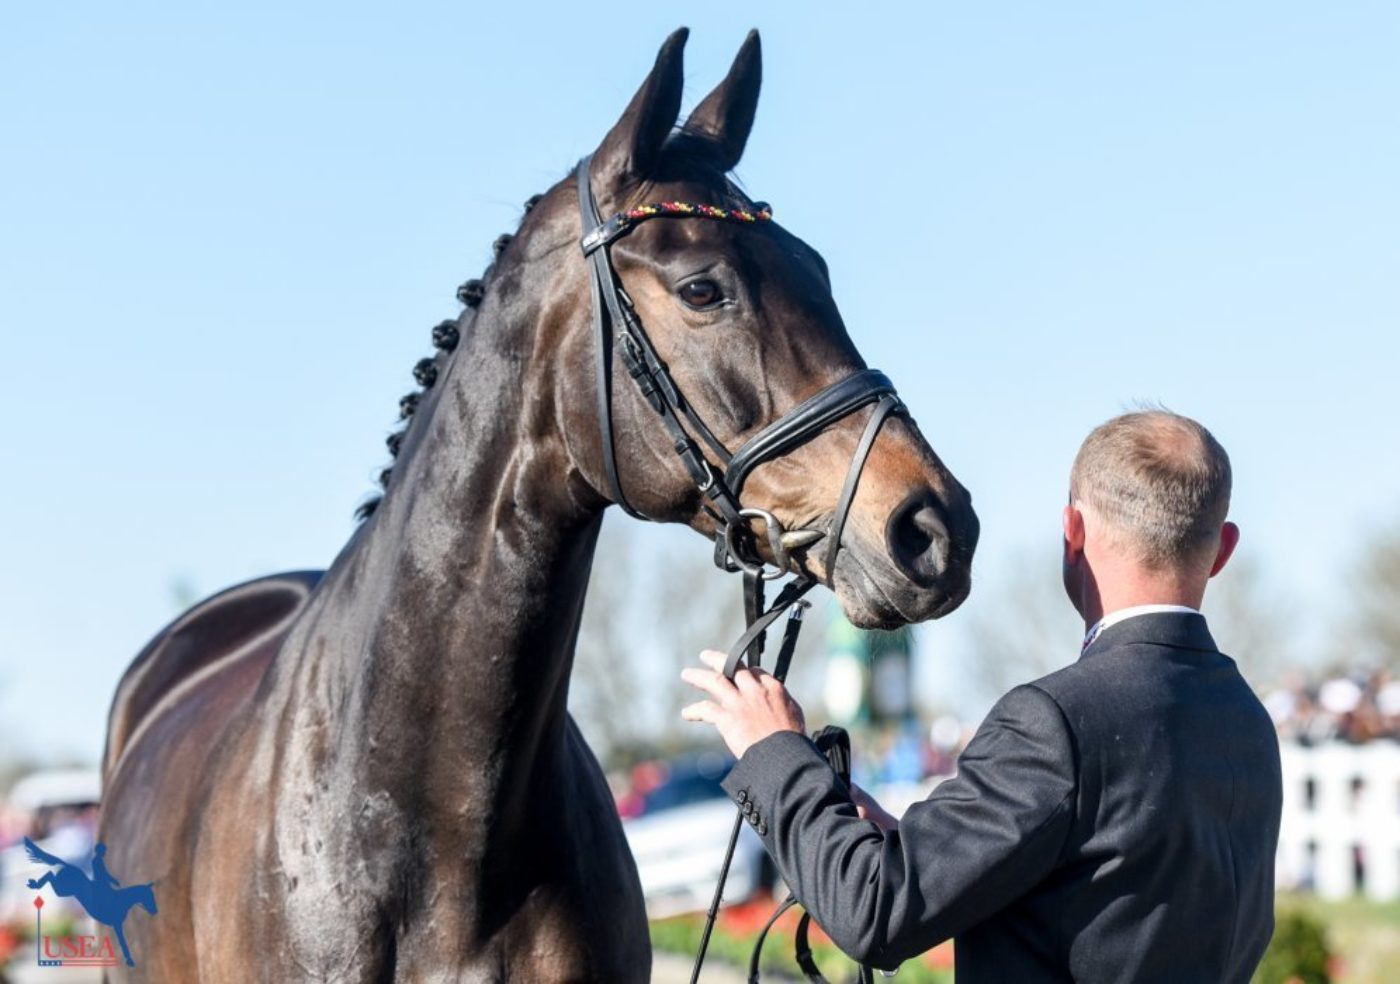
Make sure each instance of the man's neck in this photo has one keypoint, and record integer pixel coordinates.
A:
(1134, 587)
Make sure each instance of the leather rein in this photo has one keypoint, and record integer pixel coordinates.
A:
(618, 332)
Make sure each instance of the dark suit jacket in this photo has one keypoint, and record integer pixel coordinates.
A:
(1115, 821)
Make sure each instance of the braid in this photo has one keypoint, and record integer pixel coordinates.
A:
(446, 335)
(425, 373)
(471, 293)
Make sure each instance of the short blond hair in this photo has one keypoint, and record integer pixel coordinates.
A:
(1160, 480)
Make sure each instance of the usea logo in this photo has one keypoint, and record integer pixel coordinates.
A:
(101, 896)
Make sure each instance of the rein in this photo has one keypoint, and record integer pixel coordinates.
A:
(618, 330)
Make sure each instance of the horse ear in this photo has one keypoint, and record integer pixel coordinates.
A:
(727, 113)
(633, 146)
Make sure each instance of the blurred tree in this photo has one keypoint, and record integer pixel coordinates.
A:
(1373, 628)
(15, 766)
(655, 601)
(698, 607)
(1024, 627)
(183, 593)
(604, 689)
(1250, 623)
(1028, 627)
(1298, 953)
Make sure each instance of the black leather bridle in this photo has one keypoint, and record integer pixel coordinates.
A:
(617, 328)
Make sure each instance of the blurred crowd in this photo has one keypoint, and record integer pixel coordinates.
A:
(57, 809)
(908, 753)
(56, 806)
(1352, 706)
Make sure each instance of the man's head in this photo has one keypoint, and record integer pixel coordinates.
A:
(1149, 493)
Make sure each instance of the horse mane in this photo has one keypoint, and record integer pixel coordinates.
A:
(688, 155)
(445, 336)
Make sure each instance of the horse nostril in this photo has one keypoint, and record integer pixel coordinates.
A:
(918, 538)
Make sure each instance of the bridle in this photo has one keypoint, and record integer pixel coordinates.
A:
(615, 321)
(617, 328)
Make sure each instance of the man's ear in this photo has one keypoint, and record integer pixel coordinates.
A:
(727, 113)
(1072, 522)
(1229, 540)
(632, 147)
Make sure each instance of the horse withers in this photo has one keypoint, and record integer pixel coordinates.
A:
(370, 774)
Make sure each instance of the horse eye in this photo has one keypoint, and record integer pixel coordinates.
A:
(701, 293)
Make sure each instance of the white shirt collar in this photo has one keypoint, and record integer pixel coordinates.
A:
(1122, 614)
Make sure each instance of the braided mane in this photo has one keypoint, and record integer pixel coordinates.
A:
(688, 155)
(445, 336)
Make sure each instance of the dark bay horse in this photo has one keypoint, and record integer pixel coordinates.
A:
(371, 774)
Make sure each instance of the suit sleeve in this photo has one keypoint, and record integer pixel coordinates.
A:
(979, 842)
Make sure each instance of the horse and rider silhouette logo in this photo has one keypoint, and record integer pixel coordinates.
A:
(101, 896)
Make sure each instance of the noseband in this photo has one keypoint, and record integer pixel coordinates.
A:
(616, 327)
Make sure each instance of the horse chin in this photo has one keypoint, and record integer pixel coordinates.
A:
(872, 617)
(872, 602)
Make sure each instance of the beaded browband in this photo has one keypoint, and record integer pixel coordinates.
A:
(623, 221)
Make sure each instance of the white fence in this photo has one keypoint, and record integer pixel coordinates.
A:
(1341, 820)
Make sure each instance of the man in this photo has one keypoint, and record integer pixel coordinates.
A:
(102, 879)
(1114, 821)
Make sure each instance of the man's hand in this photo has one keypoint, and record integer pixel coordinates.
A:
(746, 711)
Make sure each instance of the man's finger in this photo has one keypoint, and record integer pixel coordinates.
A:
(704, 710)
(713, 684)
(747, 681)
(714, 659)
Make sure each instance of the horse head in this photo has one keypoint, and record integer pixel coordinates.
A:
(743, 316)
(146, 897)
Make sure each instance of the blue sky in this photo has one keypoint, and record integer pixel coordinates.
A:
(226, 232)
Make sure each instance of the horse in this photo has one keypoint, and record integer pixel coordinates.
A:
(370, 774)
(106, 905)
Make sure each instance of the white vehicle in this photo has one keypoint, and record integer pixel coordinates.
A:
(679, 840)
(42, 794)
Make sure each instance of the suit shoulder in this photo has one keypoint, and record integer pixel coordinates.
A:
(1064, 685)
(1085, 689)
(1031, 708)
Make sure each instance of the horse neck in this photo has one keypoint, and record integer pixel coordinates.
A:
(433, 663)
